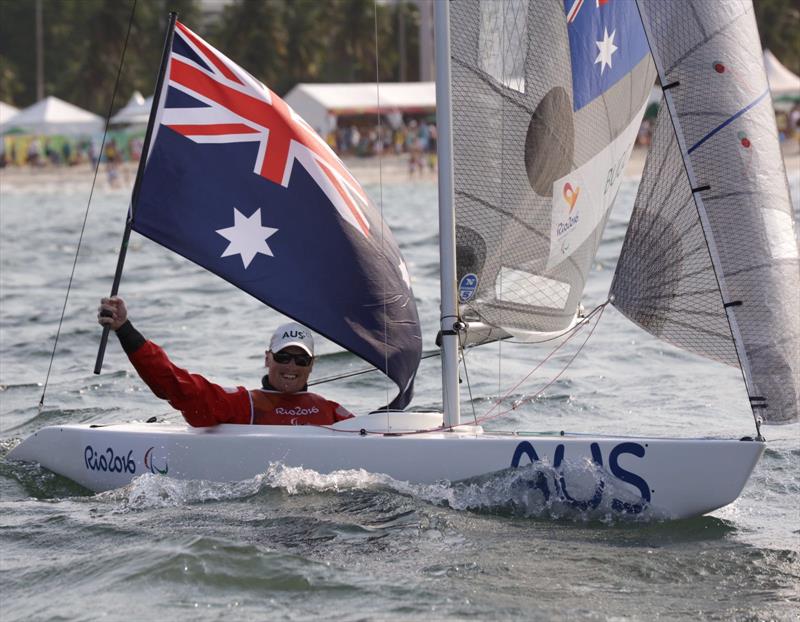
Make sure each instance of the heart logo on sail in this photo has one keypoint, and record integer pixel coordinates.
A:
(571, 195)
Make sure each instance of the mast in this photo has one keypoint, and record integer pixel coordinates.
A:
(173, 17)
(447, 228)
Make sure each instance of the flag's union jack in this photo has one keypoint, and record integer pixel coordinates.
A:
(238, 108)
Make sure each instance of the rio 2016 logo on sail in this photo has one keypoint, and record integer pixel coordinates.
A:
(570, 195)
(541, 483)
(108, 461)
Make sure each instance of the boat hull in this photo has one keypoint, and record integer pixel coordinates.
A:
(670, 478)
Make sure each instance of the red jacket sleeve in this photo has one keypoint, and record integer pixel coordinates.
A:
(201, 402)
(340, 413)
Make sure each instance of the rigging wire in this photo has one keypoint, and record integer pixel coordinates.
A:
(360, 372)
(469, 384)
(88, 205)
(368, 370)
(598, 311)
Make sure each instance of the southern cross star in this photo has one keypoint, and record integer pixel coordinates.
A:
(247, 237)
(607, 49)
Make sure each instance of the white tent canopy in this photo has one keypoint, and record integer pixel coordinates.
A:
(6, 112)
(135, 112)
(321, 104)
(52, 116)
(782, 82)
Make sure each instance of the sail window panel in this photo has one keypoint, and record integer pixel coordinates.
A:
(503, 41)
(533, 290)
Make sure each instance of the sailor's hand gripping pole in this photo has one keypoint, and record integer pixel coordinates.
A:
(173, 17)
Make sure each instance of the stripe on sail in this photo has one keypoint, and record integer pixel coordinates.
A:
(729, 121)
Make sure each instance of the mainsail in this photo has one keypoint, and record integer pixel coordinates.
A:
(238, 183)
(710, 260)
(547, 97)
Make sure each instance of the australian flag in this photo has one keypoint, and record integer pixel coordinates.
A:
(238, 183)
(606, 40)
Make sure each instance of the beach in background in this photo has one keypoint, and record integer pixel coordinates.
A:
(389, 168)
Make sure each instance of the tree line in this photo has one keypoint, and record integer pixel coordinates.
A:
(282, 42)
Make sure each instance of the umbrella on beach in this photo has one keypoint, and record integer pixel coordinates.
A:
(53, 116)
(135, 112)
(784, 85)
(6, 112)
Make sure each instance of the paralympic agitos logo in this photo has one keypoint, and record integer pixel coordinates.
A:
(150, 465)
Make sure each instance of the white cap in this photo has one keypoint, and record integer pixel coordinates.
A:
(292, 334)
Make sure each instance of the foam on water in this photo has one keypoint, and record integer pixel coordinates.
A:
(536, 490)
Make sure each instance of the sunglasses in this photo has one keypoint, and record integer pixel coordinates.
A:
(284, 358)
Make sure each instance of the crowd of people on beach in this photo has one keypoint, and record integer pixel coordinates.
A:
(37, 152)
(40, 151)
(415, 139)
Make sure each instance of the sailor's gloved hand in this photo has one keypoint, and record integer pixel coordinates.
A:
(112, 312)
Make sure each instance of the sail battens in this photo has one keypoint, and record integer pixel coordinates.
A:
(711, 235)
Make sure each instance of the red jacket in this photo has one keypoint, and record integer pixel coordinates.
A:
(204, 403)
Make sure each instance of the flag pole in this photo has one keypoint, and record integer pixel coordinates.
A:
(173, 17)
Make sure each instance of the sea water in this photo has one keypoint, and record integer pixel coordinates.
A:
(295, 544)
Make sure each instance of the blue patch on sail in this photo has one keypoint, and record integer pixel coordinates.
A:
(606, 41)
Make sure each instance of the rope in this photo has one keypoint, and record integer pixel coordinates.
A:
(359, 372)
(369, 370)
(598, 311)
(88, 205)
(469, 385)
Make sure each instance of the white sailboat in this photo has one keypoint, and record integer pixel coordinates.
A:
(529, 163)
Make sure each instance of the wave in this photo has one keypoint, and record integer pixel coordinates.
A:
(534, 491)
(34, 480)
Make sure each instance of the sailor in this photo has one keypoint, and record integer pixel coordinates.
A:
(283, 398)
